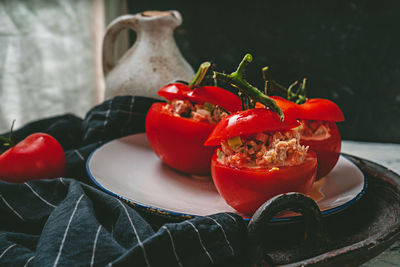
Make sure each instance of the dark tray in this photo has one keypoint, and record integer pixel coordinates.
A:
(348, 238)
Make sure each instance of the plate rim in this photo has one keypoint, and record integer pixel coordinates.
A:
(169, 213)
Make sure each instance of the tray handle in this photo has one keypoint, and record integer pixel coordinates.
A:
(296, 202)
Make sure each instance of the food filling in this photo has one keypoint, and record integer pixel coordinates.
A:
(314, 130)
(206, 112)
(265, 150)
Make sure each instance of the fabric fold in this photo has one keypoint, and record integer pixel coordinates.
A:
(69, 222)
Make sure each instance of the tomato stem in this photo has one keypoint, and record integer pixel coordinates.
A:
(237, 80)
(7, 141)
(299, 97)
(267, 78)
(201, 73)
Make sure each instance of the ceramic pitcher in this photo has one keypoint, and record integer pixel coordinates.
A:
(152, 62)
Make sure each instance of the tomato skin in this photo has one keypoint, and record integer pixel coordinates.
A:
(327, 150)
(321, 110)
(39, 156)
(174, 91)
(178, 141)
(246, 189)
(249, 122)
(200, 95)
(317, 109)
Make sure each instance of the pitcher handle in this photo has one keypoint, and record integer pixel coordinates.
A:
(112, 31)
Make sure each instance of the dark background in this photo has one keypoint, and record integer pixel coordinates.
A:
(349, 51)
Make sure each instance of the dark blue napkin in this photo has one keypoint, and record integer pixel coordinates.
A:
(68, 222)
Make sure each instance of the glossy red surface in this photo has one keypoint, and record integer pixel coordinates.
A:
(249, 122)
(178, 141)
(39, 156)
(245, 189)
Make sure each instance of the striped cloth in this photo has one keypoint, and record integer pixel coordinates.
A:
(68, 222)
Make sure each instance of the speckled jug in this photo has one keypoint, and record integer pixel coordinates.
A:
(153, 61)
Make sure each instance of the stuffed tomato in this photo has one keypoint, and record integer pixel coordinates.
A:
(259, 157)
(318, 129)
(177, 130)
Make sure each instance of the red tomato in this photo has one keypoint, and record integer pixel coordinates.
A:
(39, 156)
(327, 150)
(174, 91)
(321, 110)
(178, 141)
(317, 109)
(249, 122)
(200, 95)
(246, 189)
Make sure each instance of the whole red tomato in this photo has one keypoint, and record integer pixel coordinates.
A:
(244, 188)
(39, 156)
(178, 141)
(324, 112)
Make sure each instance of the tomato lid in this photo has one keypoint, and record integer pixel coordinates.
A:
(321, 109)
(249, 121)
(174, 91)
(313, 109)
(211, 94)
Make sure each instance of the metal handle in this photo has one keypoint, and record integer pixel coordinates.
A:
(296, 202)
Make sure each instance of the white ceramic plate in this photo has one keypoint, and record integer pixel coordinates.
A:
(129, 169)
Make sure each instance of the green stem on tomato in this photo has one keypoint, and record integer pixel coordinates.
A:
(299, 97)
(201, 73)
(279, 87)
(302, 95)
(236, 79)
(215, 82)
(7, 141)
(290, 94)
(274, 85)
(267, 78)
